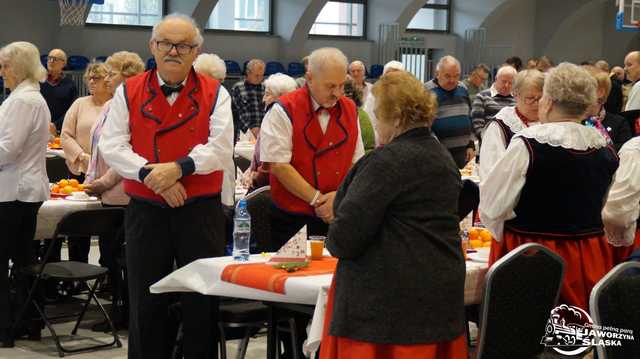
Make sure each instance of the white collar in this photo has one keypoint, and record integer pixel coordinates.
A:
(314, 103)
(633, 145)
(510, 118)
(162, 82)
(26, 86)
(569, 135)
(494, 92)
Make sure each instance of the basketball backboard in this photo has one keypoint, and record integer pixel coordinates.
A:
(628, 16)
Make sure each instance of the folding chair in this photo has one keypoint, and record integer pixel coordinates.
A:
(520, 291)
(104, 221)
(614, 303)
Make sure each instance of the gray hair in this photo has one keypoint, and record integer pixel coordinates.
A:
(528, 79)
(448, 59)
(24, 60)
(177, 16)
(392, 66)
(357, 63)
(280, 84)
(602, 65)
(320, 57)
(571, 88)
(252, 63)
(506, 70)
(212, 65)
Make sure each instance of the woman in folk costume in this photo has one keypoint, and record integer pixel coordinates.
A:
(527, 89)
(621, 212)
(398, 291)
(550, 185)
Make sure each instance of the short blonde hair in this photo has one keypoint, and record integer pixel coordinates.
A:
(528, 79)
(23, 58)
(400, 96)
(97, 69)
(601, 77)
(571, 88)
(211, 65)
(126, 63)
(280, 84)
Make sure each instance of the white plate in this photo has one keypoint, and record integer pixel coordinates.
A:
(89, 199)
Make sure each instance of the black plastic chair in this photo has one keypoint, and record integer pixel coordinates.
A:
(520, 291)
(469, 198)
(259, 207)
(241, 163)
(103, 221)
(614, 302)
(57, 169)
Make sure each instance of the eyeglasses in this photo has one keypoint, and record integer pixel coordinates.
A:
(54, 59)
(182, 49)
(530, 100)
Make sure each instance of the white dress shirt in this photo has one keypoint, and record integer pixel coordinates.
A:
(622, 208)
(500, 190)
(493, 141)
(24, 133)
(276, 135)
(633, 101)
(215, 155)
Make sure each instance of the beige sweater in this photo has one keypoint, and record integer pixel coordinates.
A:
(76, 132)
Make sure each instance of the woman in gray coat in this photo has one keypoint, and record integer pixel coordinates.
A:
(398, 291)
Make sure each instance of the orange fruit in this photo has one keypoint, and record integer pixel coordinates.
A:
(56, 140)
(67, 190)
(485, 235)
(63, 183)
(73, 182)
(473, 233)
(486, 244)
(80, 187)
(475, 243)
(55, 188)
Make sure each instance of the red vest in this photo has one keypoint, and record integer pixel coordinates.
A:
(323, 160)
(164, 133)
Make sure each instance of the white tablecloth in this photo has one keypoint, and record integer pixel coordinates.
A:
(52, 212)
(55, 153)
(203, 276)
(244, 149)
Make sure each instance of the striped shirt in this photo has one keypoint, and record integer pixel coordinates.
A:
(452, 125)
(485, 106)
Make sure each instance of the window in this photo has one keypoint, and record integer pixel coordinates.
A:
(241, 15)
(434, 16)
(340, 18)
(126, 12)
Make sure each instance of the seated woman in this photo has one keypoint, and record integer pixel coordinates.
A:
(550, 184)
(366, 129)
(527, 89)
(24, 132)
(398, 291)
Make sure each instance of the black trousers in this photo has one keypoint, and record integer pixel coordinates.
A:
(110, 251)
(18, 223)
(157, 238)
(284, 225)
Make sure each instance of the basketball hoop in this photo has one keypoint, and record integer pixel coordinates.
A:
(74, 12)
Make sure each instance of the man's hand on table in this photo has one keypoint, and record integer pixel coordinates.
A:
(324, 206)
(175, 195)
(162, 176)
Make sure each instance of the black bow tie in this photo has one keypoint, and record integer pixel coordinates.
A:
(168, 90)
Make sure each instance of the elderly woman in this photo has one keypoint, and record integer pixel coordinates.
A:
(616, 127)
(275, 86)
(370, 104)
(402, 253)
(527, 89)
(551, 182)
(24, 131)
(366, 129)
(211, 65)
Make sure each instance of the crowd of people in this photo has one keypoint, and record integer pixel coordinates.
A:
(557, 164)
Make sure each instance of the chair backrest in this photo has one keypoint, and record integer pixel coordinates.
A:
(151, 63)
(77, 62)
(241, 163)
(295, 69)
(615, 302)
(259, 207)
(101, 58)
(91, 222)
(56, 169)
(469, 198)
(273, 67)
(233, 68)
(376, 71)
(520, 291)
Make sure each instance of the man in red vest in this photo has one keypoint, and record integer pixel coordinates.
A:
(169, 133)
(310, 137)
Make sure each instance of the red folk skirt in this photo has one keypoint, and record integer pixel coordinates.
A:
(333, 347)
(587, 260)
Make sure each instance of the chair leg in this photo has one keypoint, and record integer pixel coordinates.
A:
(177, 348)
(50, 327)
(223, 341)
(242, 350)
(86, 304)
(294, 337)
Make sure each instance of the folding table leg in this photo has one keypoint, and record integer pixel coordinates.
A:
(272, 332)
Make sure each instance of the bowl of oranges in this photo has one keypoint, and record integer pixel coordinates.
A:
(66, 187)
(479, 237)
(56, 144)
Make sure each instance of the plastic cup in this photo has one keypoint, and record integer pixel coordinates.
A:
(317, 246)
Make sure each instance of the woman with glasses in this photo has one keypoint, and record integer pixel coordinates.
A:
(551, 183)
(24, 123)
(527, 89)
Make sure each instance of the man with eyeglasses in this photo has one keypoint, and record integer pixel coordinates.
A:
(476, 80)
(59, 90)
(169, 134)
(452, 125)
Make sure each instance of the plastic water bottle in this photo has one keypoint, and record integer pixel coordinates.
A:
(241, 232)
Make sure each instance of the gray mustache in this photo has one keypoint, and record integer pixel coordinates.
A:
(172, 59)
